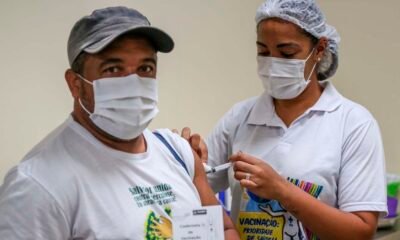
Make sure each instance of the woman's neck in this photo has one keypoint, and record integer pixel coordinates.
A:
(290, 109)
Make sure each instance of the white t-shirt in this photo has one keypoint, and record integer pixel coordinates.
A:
(333, 151)
(71, 186)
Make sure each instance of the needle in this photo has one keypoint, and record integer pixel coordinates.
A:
(218, 168)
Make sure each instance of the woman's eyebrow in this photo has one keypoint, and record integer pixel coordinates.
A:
(283, 45)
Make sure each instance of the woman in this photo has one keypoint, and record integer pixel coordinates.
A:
(307, 162)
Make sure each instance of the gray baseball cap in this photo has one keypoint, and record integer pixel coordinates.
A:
(93, 33)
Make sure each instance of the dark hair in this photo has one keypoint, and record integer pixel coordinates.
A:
(79, 63)
(313, 39)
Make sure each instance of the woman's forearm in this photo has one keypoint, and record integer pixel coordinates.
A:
(325, 221)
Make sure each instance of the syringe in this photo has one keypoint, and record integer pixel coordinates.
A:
(218, 168)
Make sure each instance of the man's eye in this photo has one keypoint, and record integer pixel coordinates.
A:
(146, 69)
(113, 69)
(263, 54)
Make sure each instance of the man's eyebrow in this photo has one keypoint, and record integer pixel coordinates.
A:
(150, 59)
(110, 61)
(261, 44)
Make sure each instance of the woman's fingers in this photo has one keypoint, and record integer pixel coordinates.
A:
(199, 146)
(241, 156)
(246, 179)
(248, 184)
(257, 176)
(239, 175)
(195, 141)
(186, 133)
(245, 167)
(203, 151)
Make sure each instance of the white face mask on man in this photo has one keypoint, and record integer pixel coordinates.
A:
(123, 106)
(283, 78)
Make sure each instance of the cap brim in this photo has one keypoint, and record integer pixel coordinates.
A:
(159, 39)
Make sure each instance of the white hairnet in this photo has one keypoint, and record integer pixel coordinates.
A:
(307, 15)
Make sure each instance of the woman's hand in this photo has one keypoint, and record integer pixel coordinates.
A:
(258, 177)
(196, 143)
(325, 221)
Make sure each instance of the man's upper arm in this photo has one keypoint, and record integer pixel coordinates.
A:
(207, 195)
(28, 211)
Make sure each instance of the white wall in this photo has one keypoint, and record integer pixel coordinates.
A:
(212, 67)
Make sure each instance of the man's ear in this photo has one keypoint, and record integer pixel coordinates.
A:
(73, 82)
(321, 47)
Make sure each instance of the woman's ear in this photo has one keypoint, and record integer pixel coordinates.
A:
(73, 82)
(321, 46)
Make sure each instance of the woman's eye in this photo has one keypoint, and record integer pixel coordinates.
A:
(286, 55)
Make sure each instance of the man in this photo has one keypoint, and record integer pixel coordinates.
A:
(102, 174)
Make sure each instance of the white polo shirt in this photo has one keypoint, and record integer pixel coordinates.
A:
(332, 151)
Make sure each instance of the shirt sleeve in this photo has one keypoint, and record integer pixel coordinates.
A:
(182, 147)
(362, 181)
(219, 144)
(28, 211)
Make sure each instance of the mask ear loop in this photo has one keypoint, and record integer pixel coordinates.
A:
(84, 79)
(83, 107)
(79, 99)
(313, 68)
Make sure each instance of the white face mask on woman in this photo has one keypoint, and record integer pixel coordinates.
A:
(283, 78)
(123, 106)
